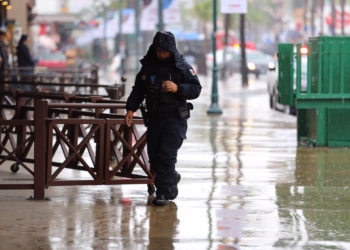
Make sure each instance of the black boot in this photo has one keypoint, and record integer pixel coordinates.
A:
(175, 189)
(160, 200)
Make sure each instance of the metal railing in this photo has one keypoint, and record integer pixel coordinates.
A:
(327, 75)
(79, 135)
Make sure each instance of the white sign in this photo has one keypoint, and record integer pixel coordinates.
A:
(171, 12)
(112, 28)
(149, 14)
(234, 6)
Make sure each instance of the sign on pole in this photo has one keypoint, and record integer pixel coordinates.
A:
(234, 6)
(149, 16)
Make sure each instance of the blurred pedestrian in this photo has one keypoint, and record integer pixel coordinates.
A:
(25, 60)
(96, 48)
(123, 52)
(167, 81)
(104, 56)
(3, 57)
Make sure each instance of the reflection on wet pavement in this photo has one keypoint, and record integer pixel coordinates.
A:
(245, 185)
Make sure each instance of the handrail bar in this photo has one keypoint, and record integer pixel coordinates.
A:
(87, 105)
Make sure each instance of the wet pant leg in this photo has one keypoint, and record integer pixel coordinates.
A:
(164, 138)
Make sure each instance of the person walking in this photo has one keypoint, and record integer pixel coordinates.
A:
(3, 57)
(24, 59)
(123, 52)
(166, 81)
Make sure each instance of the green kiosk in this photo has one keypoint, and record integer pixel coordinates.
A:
(323, 106)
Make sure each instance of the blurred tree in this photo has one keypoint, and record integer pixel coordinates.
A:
(189, 23)
(259, 18)
(204, 13)
(117, 4)
(203, 10)
(262, 14)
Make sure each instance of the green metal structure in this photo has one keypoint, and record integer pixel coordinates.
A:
(214, 107)
(323, 107)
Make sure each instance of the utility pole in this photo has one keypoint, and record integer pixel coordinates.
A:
(214, 108)
(321, 17)
(160, 15)
(305, 16)
(342, 5)
(333, 17)
(227, 24)
(312, 23)
(244, 70)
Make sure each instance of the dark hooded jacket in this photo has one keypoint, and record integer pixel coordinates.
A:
(184, 76)
(23, 54)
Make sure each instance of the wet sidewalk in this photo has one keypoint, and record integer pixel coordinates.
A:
(245, 185)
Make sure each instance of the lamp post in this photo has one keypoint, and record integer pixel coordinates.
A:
(160, 15)
(214, 108)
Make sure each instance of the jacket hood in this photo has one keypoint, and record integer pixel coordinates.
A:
(163, 40)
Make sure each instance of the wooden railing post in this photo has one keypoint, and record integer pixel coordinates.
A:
(20, 115)
(40, 110)
(126, 151)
